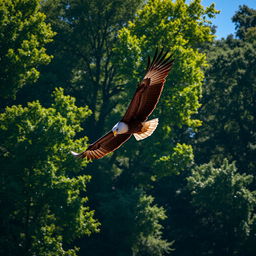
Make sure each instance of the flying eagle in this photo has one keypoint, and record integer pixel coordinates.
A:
(142, 105)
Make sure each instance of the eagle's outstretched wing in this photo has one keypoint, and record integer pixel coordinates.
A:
(143, 103)
(103, 146)
(149, 90)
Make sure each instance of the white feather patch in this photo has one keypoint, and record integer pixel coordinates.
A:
(74, 153)
(152, 124)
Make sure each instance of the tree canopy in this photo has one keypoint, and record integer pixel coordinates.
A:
(23, 36)
(68, 70)
(42, 196)
(226, 206)
(228, 105)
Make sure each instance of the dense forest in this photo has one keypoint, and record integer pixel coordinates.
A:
(68, 69)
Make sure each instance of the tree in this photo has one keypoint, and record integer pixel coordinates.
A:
(245, 21)
(131, 225)
(23, 35)
(43, 205)
(226, 207)
(181, 28)
(227, 131)
(83, 54)
(228, 105)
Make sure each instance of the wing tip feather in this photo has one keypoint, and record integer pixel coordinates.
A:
(77, 155)
(160, 60)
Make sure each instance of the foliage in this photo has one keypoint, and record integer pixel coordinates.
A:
(23, 35)
(180, 28)
(147, 193)
(98, 57)
(226, 206)
(181, 157)
(228, 110)
(140, 164)
(245, 21)
(83, 57)
(43, 206)
(214, 224)
(132, 223)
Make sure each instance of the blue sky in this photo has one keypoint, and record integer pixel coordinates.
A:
(228, 9)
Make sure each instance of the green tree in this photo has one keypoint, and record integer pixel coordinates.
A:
(228, 105)
(83, 54)
(131, 225)
(23, 35)
(181, 28)
(43, 205)
(227, 131)
(245, 21)
(182, 224)
(226, 207)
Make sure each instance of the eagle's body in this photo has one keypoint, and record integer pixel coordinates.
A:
(134, 122)
(131, 127)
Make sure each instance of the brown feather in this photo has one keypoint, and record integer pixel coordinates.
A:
(149, 101)
(103, 146)
(147, 95)
(157, 60)
(133, 107)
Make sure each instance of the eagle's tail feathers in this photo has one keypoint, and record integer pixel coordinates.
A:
(147, 129)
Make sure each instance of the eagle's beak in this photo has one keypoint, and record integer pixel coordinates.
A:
(115, 133)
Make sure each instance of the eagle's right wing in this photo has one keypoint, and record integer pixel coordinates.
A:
(149, 90)
(103, 146)
(157, 71)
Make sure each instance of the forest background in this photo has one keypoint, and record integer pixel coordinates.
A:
(68, 69)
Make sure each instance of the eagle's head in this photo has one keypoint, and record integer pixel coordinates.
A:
(120, 128)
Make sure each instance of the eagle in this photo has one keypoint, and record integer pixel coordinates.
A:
(134, 122)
